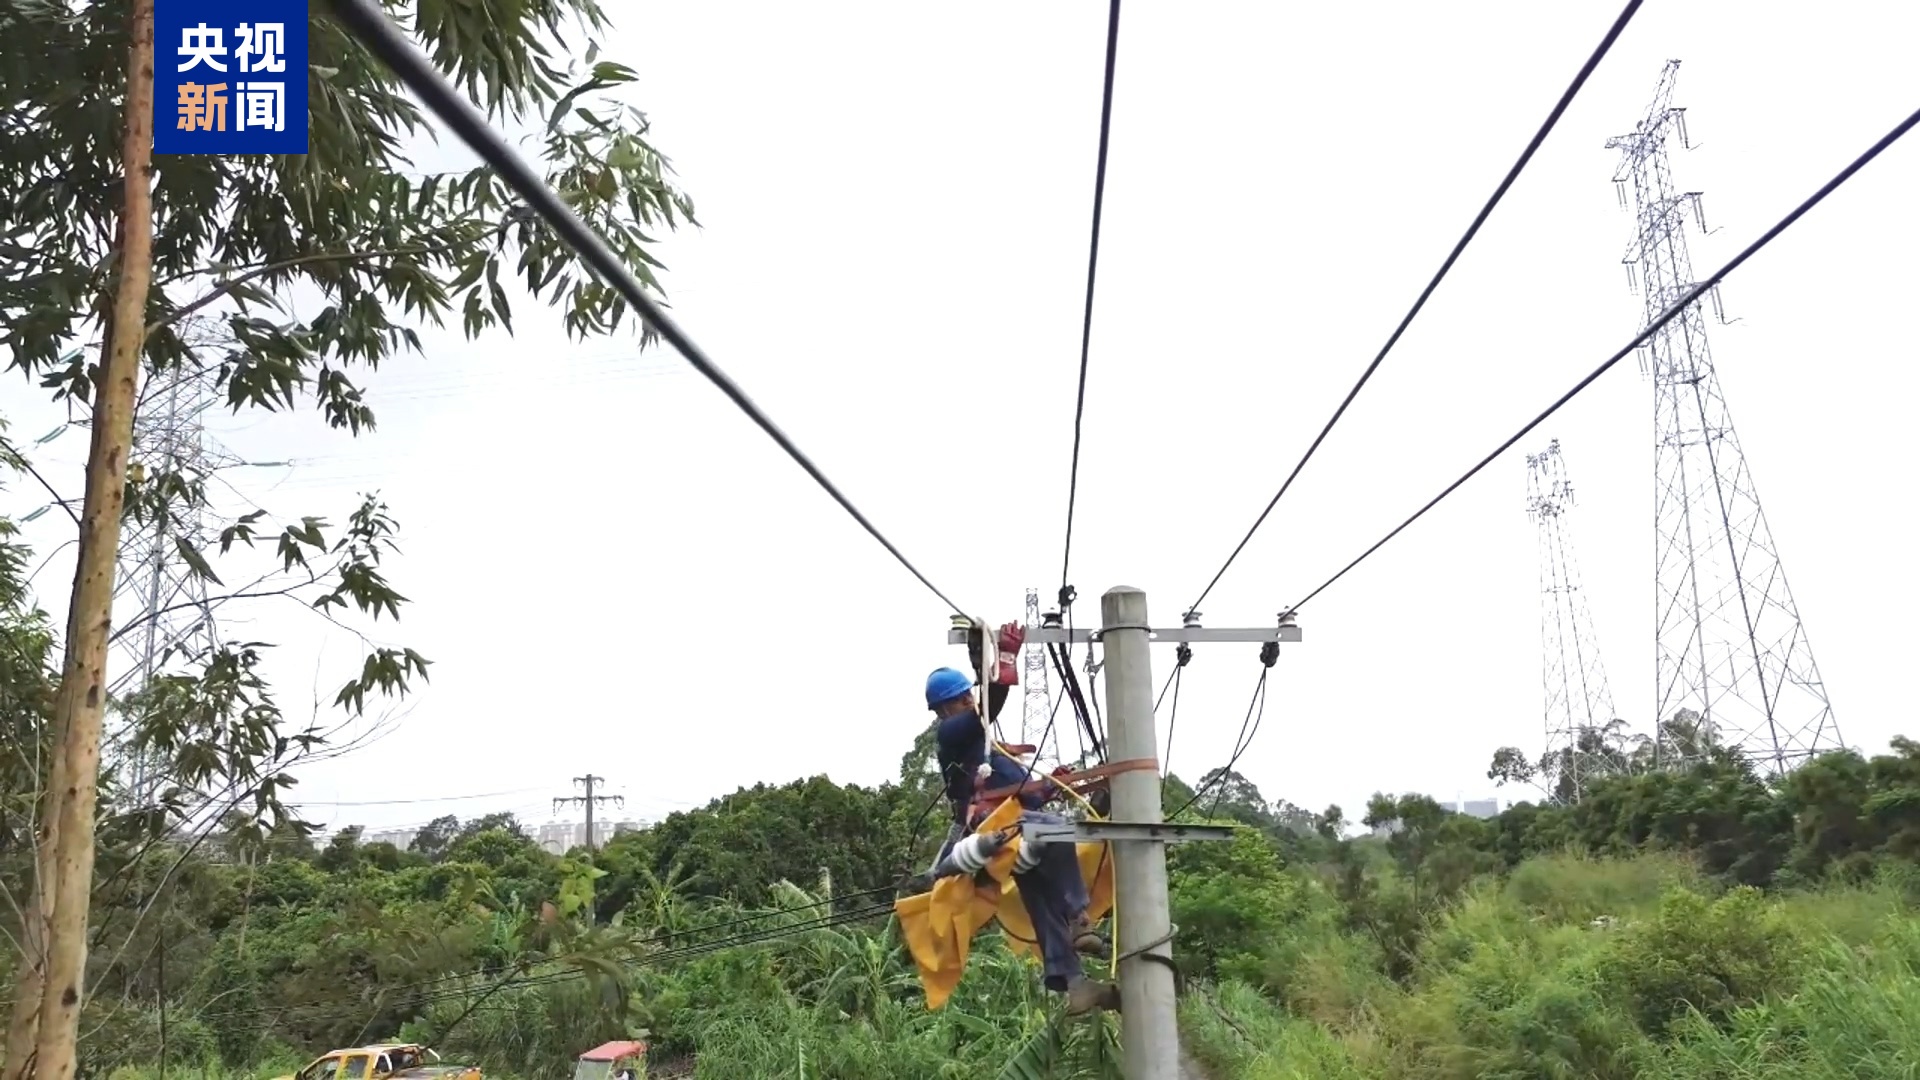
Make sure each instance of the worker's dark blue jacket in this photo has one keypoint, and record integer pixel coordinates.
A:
(961, 746)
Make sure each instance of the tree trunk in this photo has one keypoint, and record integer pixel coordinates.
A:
(84, 681)
(23, 1029)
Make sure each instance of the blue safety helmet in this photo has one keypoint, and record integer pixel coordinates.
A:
(945, 685)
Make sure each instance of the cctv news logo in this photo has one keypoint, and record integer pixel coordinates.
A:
(230, 77)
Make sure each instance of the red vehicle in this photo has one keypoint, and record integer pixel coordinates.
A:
(613, 1061)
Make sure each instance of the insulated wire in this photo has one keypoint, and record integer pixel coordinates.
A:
(1093, 264)
(1173, 716)
(1539, 137)
(1673, 311)
(366, 21)
(1249, 727)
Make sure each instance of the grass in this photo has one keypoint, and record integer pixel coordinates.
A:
(1578, 967)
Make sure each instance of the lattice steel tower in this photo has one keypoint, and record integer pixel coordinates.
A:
(1578, 705)
(1729, 642)
(160, 608)
(1037, 706)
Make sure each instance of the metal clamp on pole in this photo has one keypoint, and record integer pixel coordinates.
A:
(1095, 832)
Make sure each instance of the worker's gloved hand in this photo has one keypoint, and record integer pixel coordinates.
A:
(1007, 645)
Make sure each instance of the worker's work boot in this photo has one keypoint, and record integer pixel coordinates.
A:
(1085, 995)
(1086, 940)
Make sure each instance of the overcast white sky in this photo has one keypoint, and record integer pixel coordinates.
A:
(614, 571)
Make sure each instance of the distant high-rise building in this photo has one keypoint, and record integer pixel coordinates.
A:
(1480, 808)
(400, 838)
(560, 837)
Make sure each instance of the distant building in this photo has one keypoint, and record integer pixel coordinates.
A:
(556, 837)
(1477, 808)
(400, 838)
(1480, 808)
(560, 837)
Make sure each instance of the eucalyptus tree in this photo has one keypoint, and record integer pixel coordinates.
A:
(315, 270)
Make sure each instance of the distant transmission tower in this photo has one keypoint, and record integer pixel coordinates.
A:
(1577, 699)
(1038, 705)
(160, 607)
(1729, 643)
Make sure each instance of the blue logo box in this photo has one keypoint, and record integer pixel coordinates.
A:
(230, 77)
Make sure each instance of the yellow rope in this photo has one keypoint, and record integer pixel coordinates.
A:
(1113, 960)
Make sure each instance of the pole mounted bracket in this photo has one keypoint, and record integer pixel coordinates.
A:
(1094, 832)
(1060, 635)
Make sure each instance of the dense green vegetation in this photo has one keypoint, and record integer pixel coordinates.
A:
(1683, 923)
(1645, 919)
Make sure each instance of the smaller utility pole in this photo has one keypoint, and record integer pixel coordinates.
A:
(588, 800)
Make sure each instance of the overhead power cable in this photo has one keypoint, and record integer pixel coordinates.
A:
(1539, 137)
(1093, 264)
(1249, 727)
(366, 21)
(1692, 297)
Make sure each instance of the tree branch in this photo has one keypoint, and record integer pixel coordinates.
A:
(19, 460)
(214, 601)
(261, 270)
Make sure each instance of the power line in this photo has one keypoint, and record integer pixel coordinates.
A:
(1692, 296)
(1539, 137)
(1093, 264)
(1249, 727)
(410, 802)
(379, 34)
(1182, 657)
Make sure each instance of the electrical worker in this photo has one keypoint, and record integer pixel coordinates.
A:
(1051, 886)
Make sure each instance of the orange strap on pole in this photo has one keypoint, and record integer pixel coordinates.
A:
(1084, 778)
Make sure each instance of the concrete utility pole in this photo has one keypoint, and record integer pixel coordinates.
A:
(589, 799)
(1149, 1029)
(1149, 1035)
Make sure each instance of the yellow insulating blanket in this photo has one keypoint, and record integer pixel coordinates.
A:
(939, 925)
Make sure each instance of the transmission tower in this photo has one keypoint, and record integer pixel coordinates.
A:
(160, 606)
(1729, 643)
(1577, 699)
(1037, 707)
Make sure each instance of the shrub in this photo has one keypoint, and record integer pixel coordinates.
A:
(1711, 956)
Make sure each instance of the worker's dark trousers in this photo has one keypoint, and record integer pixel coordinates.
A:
(1055, 895)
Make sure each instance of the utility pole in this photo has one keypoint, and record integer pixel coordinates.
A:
(1149, 1034)
(589, 800)
(1149, 1029)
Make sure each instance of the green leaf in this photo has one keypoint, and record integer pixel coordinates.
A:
(607, 71)
(1037, 1059)
(195, 561)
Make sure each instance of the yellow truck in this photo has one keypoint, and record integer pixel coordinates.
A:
(386, 1061)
